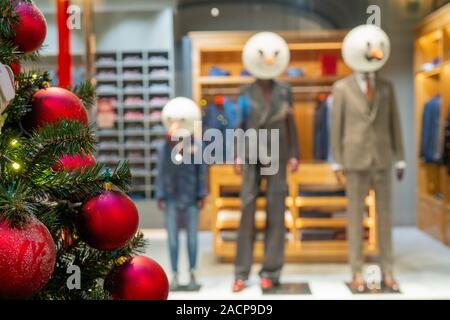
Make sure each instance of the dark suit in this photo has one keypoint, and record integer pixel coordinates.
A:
(259, 114)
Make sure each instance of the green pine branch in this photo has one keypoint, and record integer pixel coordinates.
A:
(8, 18)
(43, 149)
(94, 265)
(86, 92)
(80, 185)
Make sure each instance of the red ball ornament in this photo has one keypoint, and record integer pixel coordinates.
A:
(31, 29)
(140, 278)
(15, 67)
(75, 162)
(108, 221)
(55, 104)
(27, 259)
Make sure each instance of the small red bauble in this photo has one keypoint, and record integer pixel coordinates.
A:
(55, 104)
(27, 259)
(75, 162)
(15, 67)
(140, 278)
(31, 29)
(108, 221)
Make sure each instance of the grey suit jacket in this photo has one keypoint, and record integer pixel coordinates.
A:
(278, 114)
(365, 135)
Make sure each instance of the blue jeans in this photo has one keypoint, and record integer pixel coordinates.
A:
(172, 216)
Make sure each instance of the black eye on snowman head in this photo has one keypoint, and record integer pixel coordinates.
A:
(276, 53)
(261, 53)
(369, 45)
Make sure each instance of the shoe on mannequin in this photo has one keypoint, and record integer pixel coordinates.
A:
(358, 282)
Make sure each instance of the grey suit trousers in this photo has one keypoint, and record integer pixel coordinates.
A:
(275, 228)
(358, 185)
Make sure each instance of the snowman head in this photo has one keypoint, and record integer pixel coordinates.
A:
(366, 48)
(180, 116)
(266, 55)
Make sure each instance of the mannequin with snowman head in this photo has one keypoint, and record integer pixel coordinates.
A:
(180, 184)
(265, 104)
(366, 141)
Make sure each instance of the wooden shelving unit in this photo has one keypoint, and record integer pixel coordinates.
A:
(130, 80)
(221, 215)
(432, 43)
(224, 210)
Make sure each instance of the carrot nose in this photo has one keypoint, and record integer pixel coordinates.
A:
(173, 128)
(377, 54)
(269, 61)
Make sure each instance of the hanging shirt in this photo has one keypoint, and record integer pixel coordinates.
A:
(430, 151)
(446, 157)
(221, 118)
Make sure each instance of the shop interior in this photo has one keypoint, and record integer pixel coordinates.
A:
(140, 54)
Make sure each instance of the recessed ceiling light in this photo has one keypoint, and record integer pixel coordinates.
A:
(215, 12)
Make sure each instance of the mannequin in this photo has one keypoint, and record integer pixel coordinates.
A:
(180, 186)
(366, 140)
(266, 104)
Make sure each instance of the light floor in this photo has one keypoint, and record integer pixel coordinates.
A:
(422, 269)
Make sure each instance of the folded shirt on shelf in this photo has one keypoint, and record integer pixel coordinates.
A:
(295, 72)
(156, 144)
(315, 214)
(134, 143)
(158, 130)
(215, 71)
(106, 88)
(245, 73)
(159, 87)
(133, 115)
(134, 101)
(158, 101)
(155, 116)
(108, 158)
(105, 74)
(158, 60)
(161, 72)
(105, 61)
(132, 74)
(131, 88)
(107, 101)
(133, 155)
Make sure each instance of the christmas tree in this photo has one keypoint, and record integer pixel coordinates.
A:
(66, 224)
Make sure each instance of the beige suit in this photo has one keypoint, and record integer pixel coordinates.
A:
(366, 139)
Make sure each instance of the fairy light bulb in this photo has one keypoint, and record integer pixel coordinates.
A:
(14, 142)
(16, 166)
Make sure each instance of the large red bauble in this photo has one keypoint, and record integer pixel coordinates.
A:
(108, 221)
(27, 259)
(75, 162)
(140, 278)
(55, 104)
(31, 29)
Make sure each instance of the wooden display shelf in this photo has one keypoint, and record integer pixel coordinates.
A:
(222, 177)
(307, 251)
(432, 41)
(304, 223)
